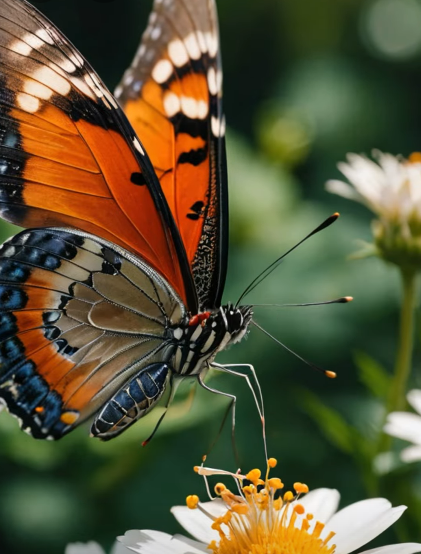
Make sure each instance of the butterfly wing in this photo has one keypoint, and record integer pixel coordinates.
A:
(172, 95)
(79, 317)
(68, 155)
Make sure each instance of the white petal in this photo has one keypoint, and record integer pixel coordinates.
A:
(119, 548)
(404, 548)
(404, 426)
(322, 503)
(342, 189)
(361, 522)
(196, 523)
(83, 548)
(411, 454)
(155, 542)
(414, 398)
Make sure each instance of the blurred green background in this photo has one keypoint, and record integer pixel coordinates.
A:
(305, 82)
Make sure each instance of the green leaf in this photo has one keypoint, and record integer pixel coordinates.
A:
(373, 376)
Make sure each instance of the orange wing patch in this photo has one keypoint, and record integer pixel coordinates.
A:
(172, 95)
(68, 155)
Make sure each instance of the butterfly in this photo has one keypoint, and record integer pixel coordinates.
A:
(113, 290)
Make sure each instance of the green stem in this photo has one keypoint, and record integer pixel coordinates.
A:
(398, 387)
(397, 400)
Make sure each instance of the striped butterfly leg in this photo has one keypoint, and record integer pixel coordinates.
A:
(132, 401)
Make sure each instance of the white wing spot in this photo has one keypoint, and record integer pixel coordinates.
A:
(27, 103)
(212, 82)
(21, 48)
(189, 107)
(34, 41)
(215, 81)
(223, 126)
(138, 146)
(25, 45)
(38, 90)
(171, 104)
(194, 108)
(45, 36)
(217, 127)
(212, 42)
(162, 71)
(178, 53)
(156, 33)
(110, 98)
(202, 41)
(76, 59)
(67, 66)
(83, 87)
(51, 79)
(192, 43)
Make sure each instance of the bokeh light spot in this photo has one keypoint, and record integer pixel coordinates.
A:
(392, 28)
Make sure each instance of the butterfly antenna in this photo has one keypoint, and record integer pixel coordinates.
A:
(330, 374)
(266, 272)
(342, 300)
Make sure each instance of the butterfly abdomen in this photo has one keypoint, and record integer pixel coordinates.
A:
(132, 402)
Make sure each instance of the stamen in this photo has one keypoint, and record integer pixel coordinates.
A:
(220, 488)
(241, 509)
(254, 476)
(299, 509)
(192, 501)
(300, 488)
(260, 521)
(275, 483)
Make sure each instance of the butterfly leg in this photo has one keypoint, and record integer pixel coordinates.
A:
(258, 398)
(132, 401)
(174, 382)
(231, 408)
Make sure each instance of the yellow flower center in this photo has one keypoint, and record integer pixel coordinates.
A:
(415, 158)
(260, 521)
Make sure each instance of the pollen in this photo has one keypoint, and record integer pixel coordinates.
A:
(259, 520)
(300, 488)
(254, 475)
(192, 501)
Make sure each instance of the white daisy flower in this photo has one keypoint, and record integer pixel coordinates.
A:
(407, 426)
(391, 188)
(257, 520)
(94, 548)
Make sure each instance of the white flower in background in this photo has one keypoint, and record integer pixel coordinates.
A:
(93, 548)
(255, 519)
(407, 426)
(391, 188)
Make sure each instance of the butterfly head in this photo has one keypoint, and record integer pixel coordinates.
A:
(236, 320)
